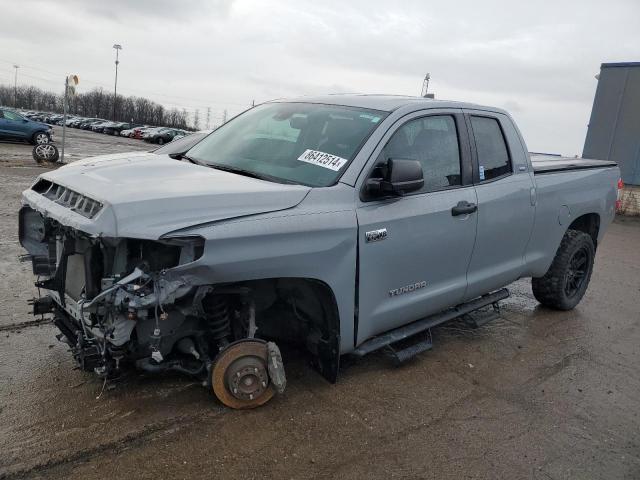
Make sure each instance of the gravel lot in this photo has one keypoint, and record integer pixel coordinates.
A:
(79, 144)
(536, 394)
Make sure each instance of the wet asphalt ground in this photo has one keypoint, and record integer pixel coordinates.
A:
(536, 394)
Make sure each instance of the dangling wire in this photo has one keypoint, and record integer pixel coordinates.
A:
(104, 383)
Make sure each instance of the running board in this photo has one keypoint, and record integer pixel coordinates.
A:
(426, 323)
(405, 350)
(481, 317)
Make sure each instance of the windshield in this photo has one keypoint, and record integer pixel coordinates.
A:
(304, 143)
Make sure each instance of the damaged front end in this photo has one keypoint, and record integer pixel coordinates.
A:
(117, 305)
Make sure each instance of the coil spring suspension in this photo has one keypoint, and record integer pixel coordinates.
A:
(217, 312)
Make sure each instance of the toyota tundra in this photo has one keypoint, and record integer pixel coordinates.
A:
(344, 223)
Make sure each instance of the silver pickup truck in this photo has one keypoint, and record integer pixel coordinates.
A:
(344, 224)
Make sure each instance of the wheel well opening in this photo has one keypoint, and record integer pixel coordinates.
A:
(589, 224)
(300, 311)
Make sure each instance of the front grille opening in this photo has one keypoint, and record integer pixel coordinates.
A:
(42, 186)
(79, 203)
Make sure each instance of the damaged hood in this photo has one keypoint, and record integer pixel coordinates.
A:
(149, 195)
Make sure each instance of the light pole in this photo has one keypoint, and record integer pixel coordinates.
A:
(425, 85)
(115, 88)
(15, 87)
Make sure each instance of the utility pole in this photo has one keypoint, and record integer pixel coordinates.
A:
(115, 88)
(196, 119)
(208, 117)
(15, 87)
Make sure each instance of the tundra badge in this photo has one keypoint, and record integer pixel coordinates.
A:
(376, 235)
(407, 288)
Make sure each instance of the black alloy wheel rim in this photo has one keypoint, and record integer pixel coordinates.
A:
(578, 268)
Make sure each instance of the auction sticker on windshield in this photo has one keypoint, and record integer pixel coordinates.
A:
(322, 159)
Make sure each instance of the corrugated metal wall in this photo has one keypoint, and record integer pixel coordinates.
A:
(614, 127)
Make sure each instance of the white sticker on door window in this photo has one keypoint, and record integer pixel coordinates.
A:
(322, 159)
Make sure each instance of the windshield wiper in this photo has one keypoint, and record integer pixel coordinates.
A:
(192, 160)
(248, 173)
(182, 156)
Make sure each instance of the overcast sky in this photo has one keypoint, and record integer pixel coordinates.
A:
(536, 59)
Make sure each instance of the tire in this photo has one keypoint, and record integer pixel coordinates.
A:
(40, 138)
(566, 281)
(160, 141)
(45, 152)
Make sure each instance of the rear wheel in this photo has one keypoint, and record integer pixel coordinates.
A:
(160, 141)
(566, 281)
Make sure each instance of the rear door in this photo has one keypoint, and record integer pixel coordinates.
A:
(3, 125)
(413, 252)
(506, 198)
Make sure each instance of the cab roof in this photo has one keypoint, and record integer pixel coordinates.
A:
(386, 103)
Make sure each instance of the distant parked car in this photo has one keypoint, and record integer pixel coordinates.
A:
(90, 122)
(118, 127)
(100, 126)
(162, 135)
(111, 127)
(16, 127)
(140, 131)
(76, 122)
(53, 118)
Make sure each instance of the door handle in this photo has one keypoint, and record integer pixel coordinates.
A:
(463, 208)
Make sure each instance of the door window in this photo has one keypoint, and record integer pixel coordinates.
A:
(493, 156)
(11, 116)
(433, 141)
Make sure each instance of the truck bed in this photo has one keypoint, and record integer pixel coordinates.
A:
(552, 163)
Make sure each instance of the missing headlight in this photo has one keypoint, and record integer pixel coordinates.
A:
(166, 253)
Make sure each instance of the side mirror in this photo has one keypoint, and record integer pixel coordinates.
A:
(399, 176)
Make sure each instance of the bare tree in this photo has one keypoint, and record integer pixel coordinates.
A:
(97, 103)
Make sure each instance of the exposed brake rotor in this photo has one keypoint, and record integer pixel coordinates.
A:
(240, 375)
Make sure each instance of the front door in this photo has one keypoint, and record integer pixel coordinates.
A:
(414, 250)
(14, 125)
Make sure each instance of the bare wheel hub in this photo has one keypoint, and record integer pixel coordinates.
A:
(247, 378)
(239, 377)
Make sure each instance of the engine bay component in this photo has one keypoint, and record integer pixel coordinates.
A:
(240, 375)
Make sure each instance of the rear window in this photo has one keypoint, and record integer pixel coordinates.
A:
(493, 156)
